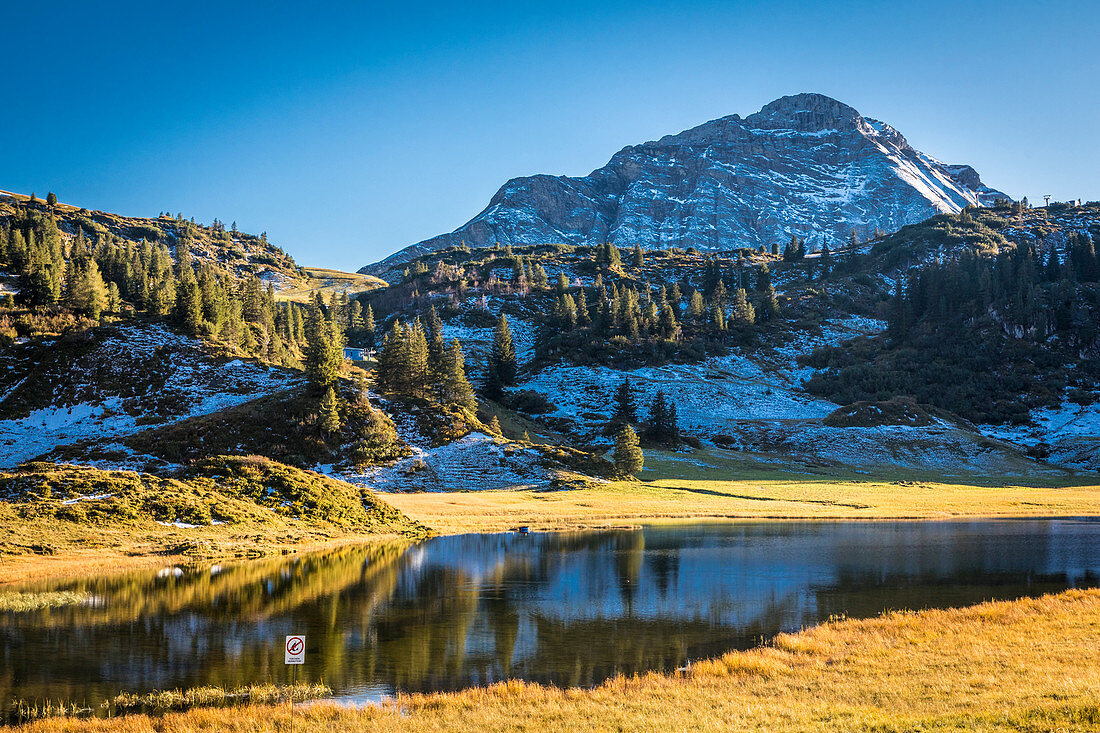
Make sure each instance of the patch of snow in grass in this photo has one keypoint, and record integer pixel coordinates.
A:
(206, 387)
(90, 497)
(475, 462)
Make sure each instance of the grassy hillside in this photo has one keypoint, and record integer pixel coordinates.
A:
(316, 280)
(240, 253)
(223, 506)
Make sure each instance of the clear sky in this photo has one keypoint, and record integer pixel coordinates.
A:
(349, 131)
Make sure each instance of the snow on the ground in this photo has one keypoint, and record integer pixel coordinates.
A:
(196, 382)
(90, 497)
(711, 396)
(476, 461)
(480, 340)
(940, 446)
(1071, 431)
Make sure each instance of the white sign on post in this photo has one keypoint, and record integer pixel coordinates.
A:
(295, 649)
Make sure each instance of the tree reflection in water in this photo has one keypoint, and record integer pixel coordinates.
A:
(567, 608)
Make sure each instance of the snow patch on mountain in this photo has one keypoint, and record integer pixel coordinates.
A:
(804, 165)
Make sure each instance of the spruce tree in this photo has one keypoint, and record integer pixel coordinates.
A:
(502, 367)
(626, 410)
(743, 312)
(368, 326)
(329, 414)
(455, 389)
(324, 349)
(627, 455)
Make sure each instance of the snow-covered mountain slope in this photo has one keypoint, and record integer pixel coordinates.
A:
(804, 164)
(111, 382)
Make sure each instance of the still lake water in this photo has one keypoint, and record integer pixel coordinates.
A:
(566, 608)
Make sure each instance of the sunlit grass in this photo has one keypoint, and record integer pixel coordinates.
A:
(723, 488)
(14, 602)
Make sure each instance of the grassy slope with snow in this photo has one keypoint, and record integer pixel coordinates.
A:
(114, 382)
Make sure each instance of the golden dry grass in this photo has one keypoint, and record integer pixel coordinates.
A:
(328, 282)
(770, 495)
(1013, 665)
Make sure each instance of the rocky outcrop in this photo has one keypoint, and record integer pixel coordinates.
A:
(803, 165)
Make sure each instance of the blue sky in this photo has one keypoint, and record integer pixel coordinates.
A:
(350, 131)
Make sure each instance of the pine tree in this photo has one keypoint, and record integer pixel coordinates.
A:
(626, 410)
(769, 305)
(368, 326)
(661, 424)
(89, 294)
(502, 365)
(494, 426)
(627, 455)
(696, 307)
(329, 414)
(743, 312)
(324, 349)
(455, 389)
(639, 256)
(390, 357)
(583, 316)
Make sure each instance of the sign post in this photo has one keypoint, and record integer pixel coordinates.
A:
(295, 649)
(295, 654)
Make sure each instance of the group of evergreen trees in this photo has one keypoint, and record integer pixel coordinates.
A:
(661, 424)
(586, 316)
(987, 337)
(415, 362)
(660, 427)
(106, 274)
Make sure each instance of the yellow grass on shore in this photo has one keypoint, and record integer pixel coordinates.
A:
(629, 503)
(1013, 665)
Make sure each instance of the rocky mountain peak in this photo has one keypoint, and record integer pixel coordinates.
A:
(805, 113)
(805, 165)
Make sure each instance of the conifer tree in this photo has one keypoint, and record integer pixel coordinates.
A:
(639, 256)
(390, 357)
(743, 312)
(324, 349)
(626, 410)
(455, 389)
(661, 423)
(563, 283)
(696, 307)
(368, 326)
(769, 305)
(90, 294)
(502, 366)
(494, 426)
(627, 455)
(329, 414)
(583, 316)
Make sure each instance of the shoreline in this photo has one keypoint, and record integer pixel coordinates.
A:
(18, 570)
(90, 550)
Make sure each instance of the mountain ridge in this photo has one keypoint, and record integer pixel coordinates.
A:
(805, 165)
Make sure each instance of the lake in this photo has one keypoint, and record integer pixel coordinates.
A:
(565, 608)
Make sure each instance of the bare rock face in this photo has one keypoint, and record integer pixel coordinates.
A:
(803, 165)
